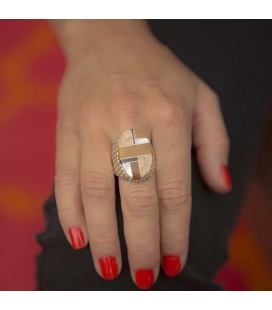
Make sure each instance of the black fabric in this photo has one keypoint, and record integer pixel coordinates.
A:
(234, 58)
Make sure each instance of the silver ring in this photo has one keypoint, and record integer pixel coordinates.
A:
(132, 156)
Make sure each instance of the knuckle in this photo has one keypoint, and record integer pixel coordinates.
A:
(227, 142)
(215, 97)
(173, 197)
(102, 239)
(96, 185)
(140, 204)
(170, 113)
(65, 176)
(69, 211)
(223, 142)
(175, 241)
(65, 124)
(90, 109)
(124, 106)
(147, 251)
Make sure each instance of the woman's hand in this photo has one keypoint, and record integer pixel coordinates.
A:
(119, 77)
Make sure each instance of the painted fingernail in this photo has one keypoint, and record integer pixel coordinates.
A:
(171, 265)
(144, 278)
(77, 238)
(226, 176)
(109, 267)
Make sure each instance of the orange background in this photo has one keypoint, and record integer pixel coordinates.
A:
(31, 67)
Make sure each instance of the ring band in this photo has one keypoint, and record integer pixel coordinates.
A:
(132, 156)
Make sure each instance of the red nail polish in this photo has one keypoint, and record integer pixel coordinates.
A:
(77, 238)
(171, 265)
(144, 278)
(226, 176)
(109, 267)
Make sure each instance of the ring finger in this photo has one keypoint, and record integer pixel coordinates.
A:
(141, 216)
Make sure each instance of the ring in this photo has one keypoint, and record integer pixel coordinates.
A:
(132, 156)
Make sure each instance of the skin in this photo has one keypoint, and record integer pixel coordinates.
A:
(120, 76)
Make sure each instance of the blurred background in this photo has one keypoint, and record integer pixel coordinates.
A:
(31, 67)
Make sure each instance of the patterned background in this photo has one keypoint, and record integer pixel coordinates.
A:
(31, 66)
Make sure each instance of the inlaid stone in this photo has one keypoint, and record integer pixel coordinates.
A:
(133, 156)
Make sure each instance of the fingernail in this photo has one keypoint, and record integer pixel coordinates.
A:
(77, 238)
(226, 176)
(109, 267)
(144, 278)
(171, 265)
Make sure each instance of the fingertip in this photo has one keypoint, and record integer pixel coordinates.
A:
(144, 278)
(171, 265)
(108, 267)
(221, 183)
(225, 175)
(77, 239)
(216, 176)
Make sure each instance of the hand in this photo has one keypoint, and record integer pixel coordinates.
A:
(126, 79)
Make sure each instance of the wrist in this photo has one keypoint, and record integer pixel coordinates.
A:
(84, 37)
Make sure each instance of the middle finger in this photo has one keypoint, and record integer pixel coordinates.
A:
(141, 217)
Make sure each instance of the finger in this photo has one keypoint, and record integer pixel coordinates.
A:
(98, 195)
(171, 136)
(67, 188)
(211, 140)
(141, 218)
